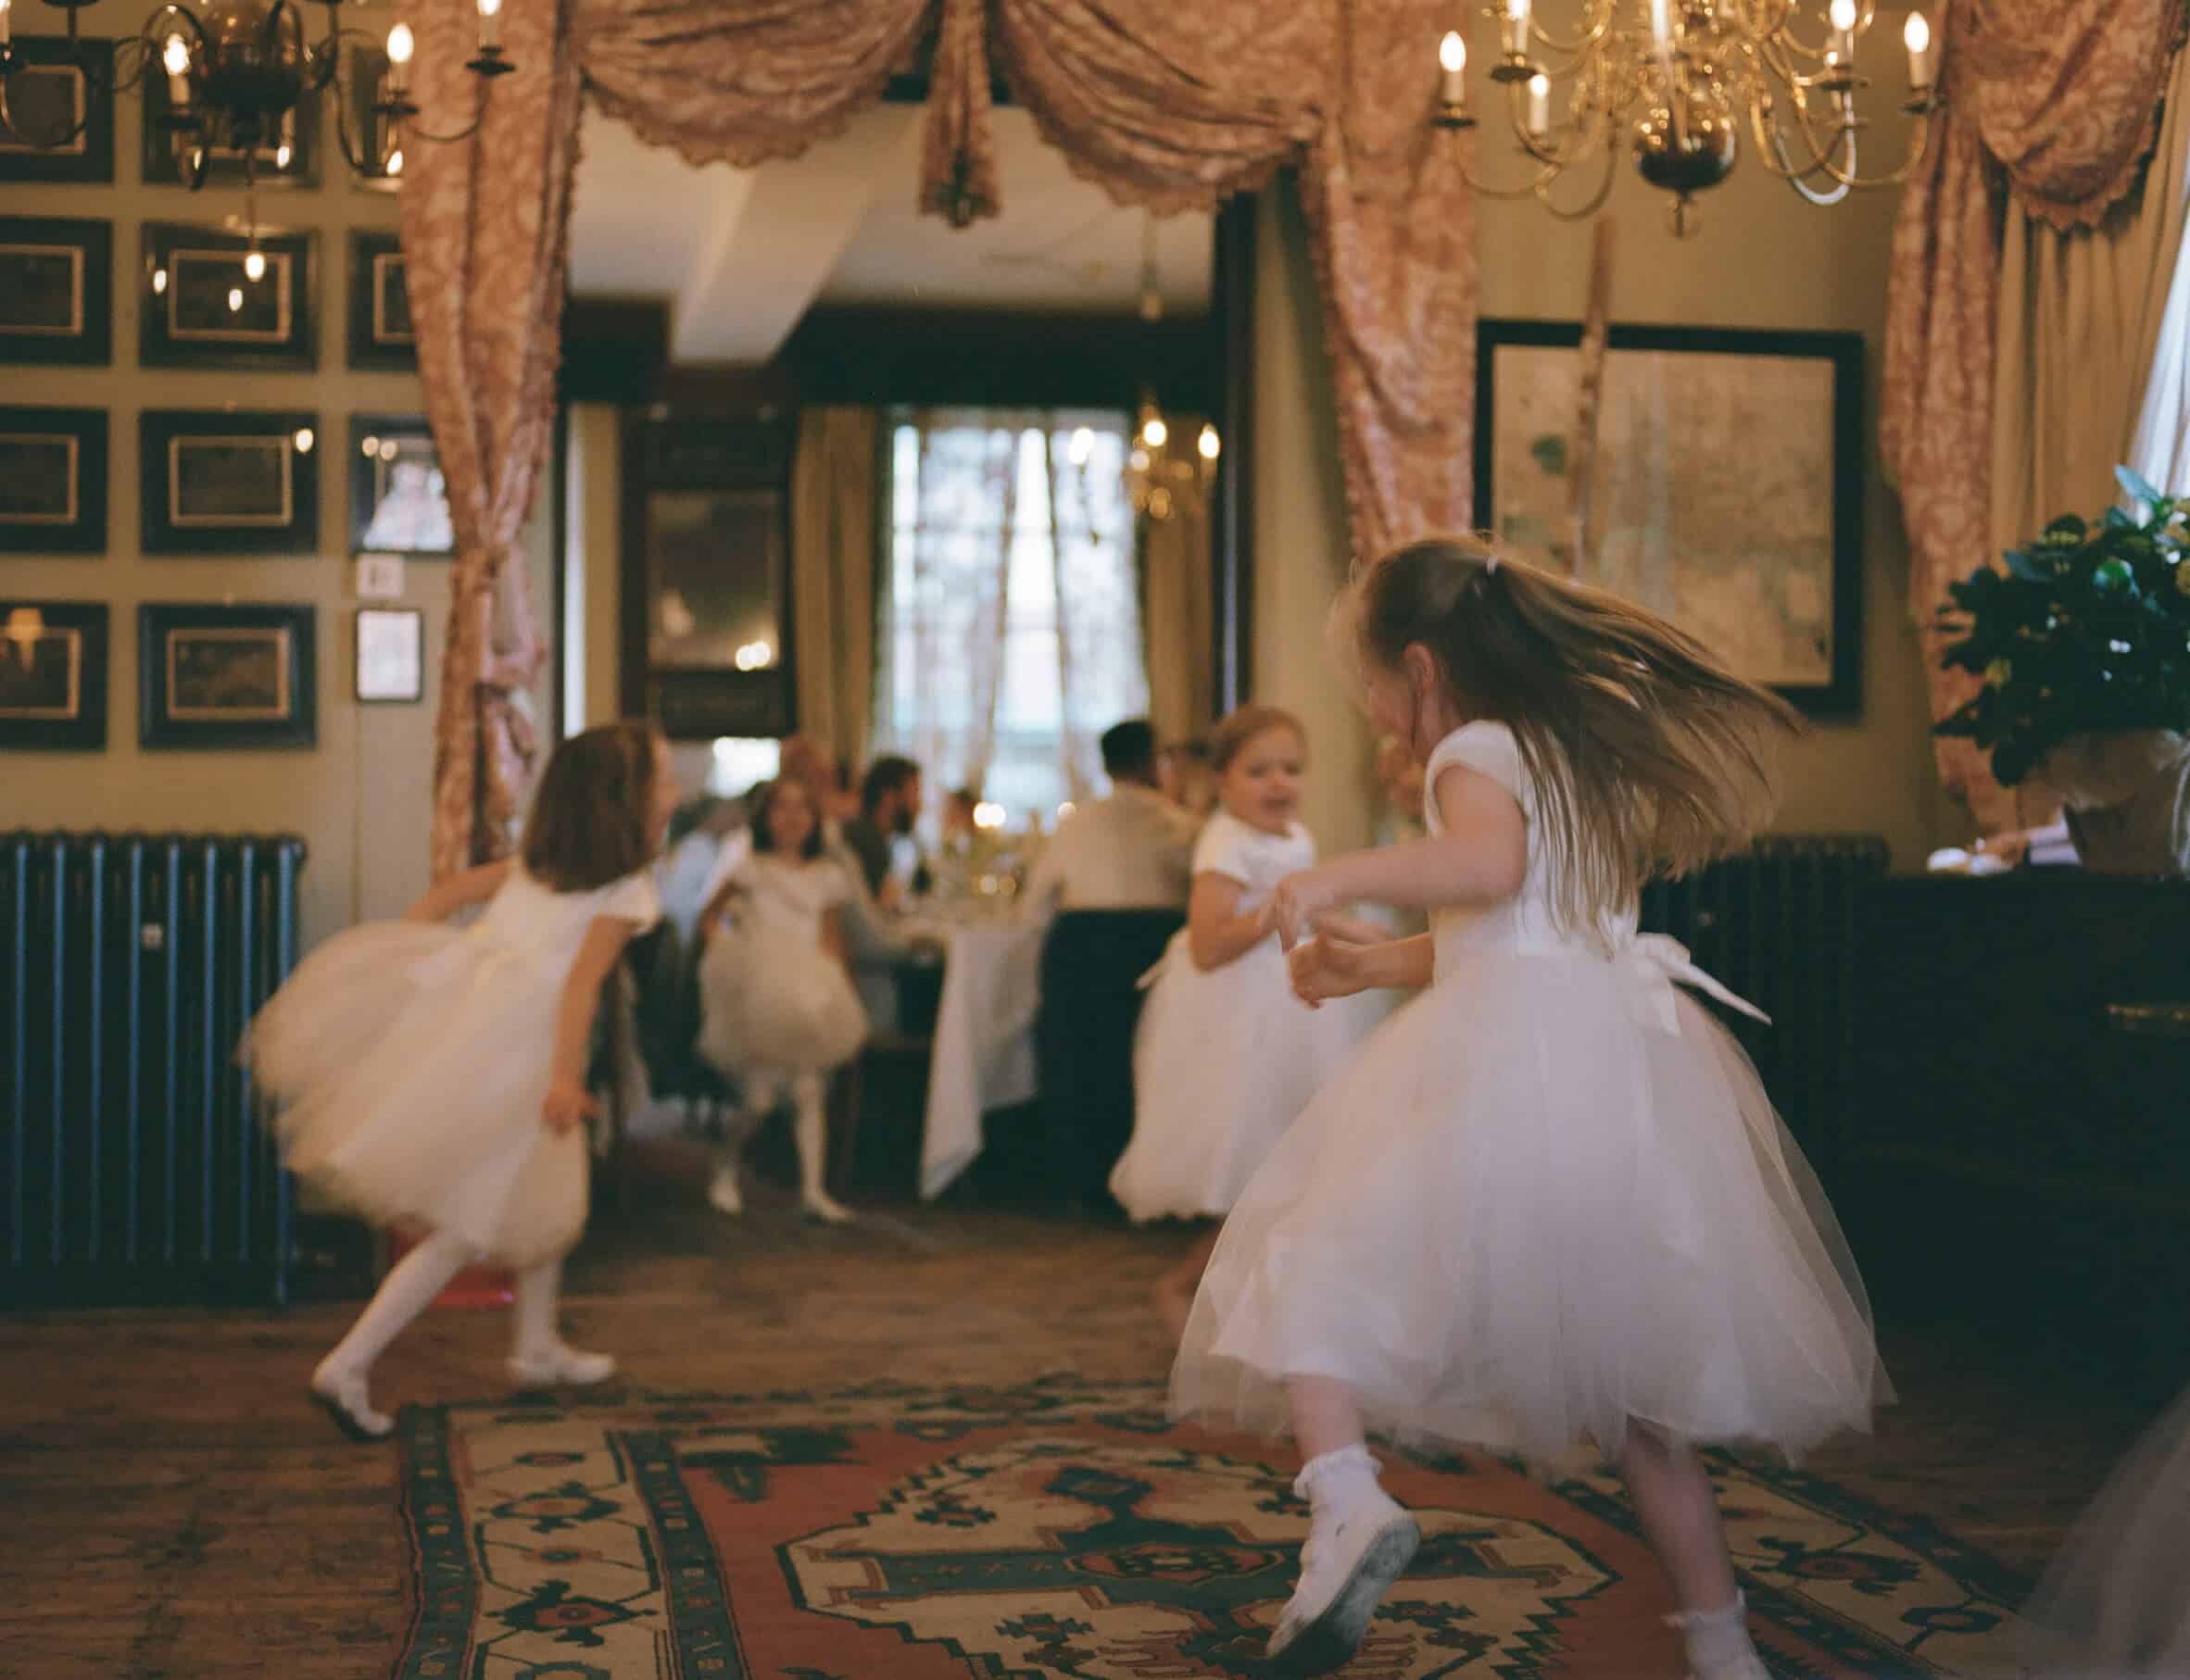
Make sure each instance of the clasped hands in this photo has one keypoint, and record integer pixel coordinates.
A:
(1326, 949)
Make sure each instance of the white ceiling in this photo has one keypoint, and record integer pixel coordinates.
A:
(740, 255)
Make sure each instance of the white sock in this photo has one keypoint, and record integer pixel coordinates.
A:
(1715, 1638)
(407, 1291)
(1334, 1481)
(532, 1313)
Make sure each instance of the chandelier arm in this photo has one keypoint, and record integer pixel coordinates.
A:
(470, 128)
(1596, 24)
(1595, 201)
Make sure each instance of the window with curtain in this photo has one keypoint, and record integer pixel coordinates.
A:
(1011, 634)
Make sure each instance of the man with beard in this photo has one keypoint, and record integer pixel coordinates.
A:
(890, 805)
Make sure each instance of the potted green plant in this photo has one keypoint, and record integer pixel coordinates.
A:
(2082, 644)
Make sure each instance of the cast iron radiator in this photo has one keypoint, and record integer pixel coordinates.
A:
(1778, 925)
(132, 1166)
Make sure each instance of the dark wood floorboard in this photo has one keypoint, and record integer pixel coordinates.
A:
(172, 1506)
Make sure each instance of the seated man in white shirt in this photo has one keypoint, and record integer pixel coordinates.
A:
(1133, 850)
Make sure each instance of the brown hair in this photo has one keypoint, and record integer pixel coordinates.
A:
(1241, 725)
(763, 822)
(1646, 753)
(589, 820)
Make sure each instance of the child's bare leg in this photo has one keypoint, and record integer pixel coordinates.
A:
(1359, 1538)
(1174, 1290)
(1679, 1510)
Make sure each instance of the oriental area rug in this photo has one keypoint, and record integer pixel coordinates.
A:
(1061, 1529)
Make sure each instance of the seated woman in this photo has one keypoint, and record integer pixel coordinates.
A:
(778, 1010)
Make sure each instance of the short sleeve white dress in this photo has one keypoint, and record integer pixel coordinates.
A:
(1225, 1058)
(413, 1060)
(771, 997)
(1549, 1196)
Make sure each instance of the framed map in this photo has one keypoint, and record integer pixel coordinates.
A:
(1729, 485)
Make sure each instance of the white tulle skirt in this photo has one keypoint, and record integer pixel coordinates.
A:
(412, 1063)
(771, 997)
(2116, 1602)
(1525, 1214)
(1224, 1061)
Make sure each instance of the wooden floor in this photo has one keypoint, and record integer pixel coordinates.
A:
(172, 1506)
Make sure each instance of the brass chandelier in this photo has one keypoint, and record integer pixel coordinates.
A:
(236, 71)
(1678, 80)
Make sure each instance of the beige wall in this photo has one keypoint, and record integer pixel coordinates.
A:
(362, 797)
(1762, 258)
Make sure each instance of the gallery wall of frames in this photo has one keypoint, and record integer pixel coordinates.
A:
(223, 543)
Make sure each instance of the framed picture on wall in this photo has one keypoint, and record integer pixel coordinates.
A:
(361, 87)
(289, 157)
(61, 112)
(228, 482)
(391, 669)
(380, 331)
(53, 480)
(57, 291)
(219, 677)
(199, 305)
(398, 504)
(53, 676)
(1729, 492)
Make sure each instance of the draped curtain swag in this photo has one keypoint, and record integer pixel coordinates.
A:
(2053, 104)
(834, 475)
(1164, 105)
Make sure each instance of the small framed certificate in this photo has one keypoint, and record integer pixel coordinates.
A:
(391, 656)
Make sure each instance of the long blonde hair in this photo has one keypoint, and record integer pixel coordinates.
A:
(1646, 753)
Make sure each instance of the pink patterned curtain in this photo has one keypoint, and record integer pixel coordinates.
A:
(485, 222)
(2061, 113)
(1164, 106)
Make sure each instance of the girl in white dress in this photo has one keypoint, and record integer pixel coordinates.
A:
(1549, 1205)
(778, 1010)
(1226, 1056)
(433, 1077)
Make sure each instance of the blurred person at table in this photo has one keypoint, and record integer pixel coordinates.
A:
(1130, 851)
(890, 801)
(1183, 772)
(1226, 1055)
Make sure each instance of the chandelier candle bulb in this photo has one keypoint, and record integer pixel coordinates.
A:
(1516, 28)
(1916, 35)
(490, 23)
(1841, 15)
(400, 50)
(7, 23)
(174, 59)
(1539, 104)
(1210, 443)
(254, 265)
(1452, 62)
(1661, 28)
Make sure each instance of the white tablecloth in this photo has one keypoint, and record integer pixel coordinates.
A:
(984, 1047)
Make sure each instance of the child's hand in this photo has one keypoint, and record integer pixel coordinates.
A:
(1326, 968)
(1300, 898)
(568, 1104)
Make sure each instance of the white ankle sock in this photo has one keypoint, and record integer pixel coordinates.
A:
(1332, 1481)
(1715, 1638)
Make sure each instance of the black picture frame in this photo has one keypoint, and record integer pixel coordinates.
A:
(52, 676)
(48, 81)
(57, 291)
(389, 663)
(398, 504)
(215, 677)
(380, 335)
(213, 483)
(53, 480)
(299, 130)
(1761, 447)
(189, 277)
